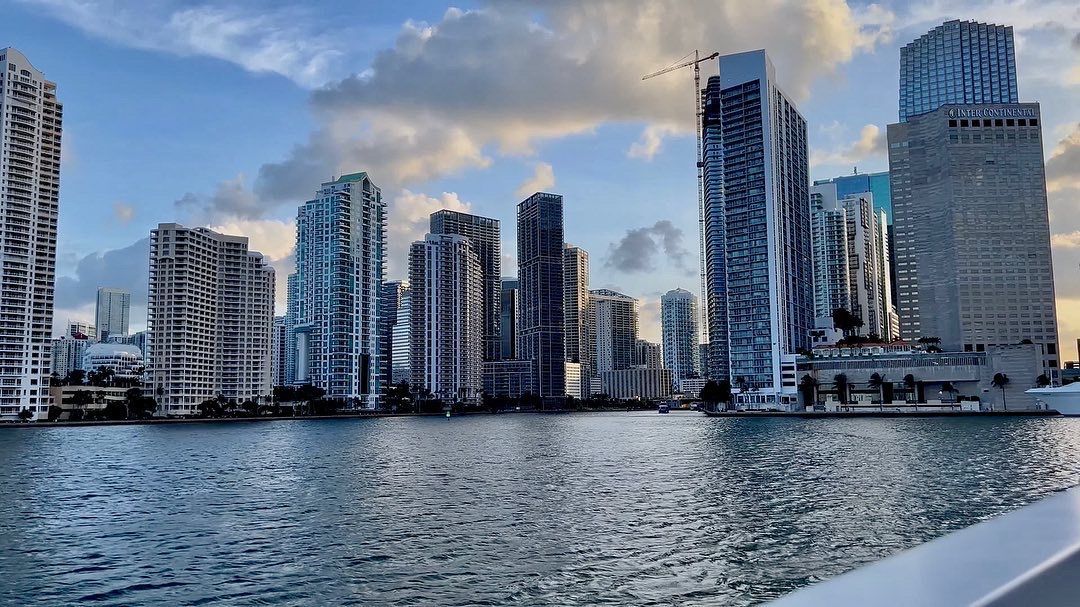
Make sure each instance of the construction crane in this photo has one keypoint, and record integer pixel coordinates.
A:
(699, 111)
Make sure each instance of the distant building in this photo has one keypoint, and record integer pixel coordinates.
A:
(690, 387)
(508, 378)
(972, 233)
(508, 325)
(390, 295)
(935, 378)
(401, 340)
(334, 311)
(613, 329)
(278, 343)
(679, 329)
(756, 241)
(210, 319)
(576, 305)
(125, 361)
(957, 62)
(636, 383)
(541, 333)
(574, 387)
(113, 310)
(485, 234)
(851, 262)
(67, 354)
(447, 332)
(81, 330)
(30, 133)
(648, 354)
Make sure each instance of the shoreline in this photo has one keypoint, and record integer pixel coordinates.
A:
(886, 414)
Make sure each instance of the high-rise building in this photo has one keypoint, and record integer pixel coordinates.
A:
(756, 230)
(957, 62)
(390, 296)
(576, 305)
(67, 354)
(972, 233)
(851, 262)
(485, 235)
(679, 330)
(30, 128)
(613, 329)
(508, 323)
(401, 340)
(278, 348)
(340, 267)
(541, 332)
(648, 354)
(209, 317)
(113, 310)
(447, 331)
(81, 329)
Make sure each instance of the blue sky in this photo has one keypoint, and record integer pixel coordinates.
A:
(228, 113)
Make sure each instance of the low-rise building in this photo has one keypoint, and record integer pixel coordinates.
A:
(690, 387)
(573, 380)
(508, 378)
(636, 383)
(125, 361)
(910, 376)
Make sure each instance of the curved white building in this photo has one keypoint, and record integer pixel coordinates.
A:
(124, 360)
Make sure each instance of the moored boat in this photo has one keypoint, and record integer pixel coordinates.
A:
(1063, 399)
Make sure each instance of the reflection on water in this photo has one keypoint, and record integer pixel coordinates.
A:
(514, 509)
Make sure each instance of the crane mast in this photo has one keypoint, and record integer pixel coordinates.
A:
(699, 114)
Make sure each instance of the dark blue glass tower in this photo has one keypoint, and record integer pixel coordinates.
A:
(540, 276)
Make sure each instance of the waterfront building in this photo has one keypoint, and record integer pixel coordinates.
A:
(911, 376)
(541, 333)
(636, 383)
(113, 310)
(508, 323)
(508, 378)
(30, 132)
(957, 62)
(851, 262)
(447, 332)
(486, 237)
(292, 313)
(613, 329)
(390, 295)
(972, 233)
(209, 319)
(648, 354)
(401, 338)
(756, 238)
(67, 354)
(340, 267)
(690, 387)
(125, 361)
(576, 305)
(574, 387)
(137, 339)
(278, 348)
(679, 329)
(100, 397)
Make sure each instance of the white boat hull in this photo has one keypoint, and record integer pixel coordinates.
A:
(1065, 399)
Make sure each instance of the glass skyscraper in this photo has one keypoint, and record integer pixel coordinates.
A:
(757, 231)
(957, 62)
(541, 332)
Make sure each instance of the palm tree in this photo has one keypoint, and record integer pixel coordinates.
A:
(948, 388)
(910, 384)
(1000, 381)
(877, 382)
(1042, 381)
(842, 385)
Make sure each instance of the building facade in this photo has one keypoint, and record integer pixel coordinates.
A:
(124, 360)
(679, 329)
(334, 297)
(972, 231)
(68, 353)
(508, 324)
(851, 261)
(401, 340)
(209, 319)
(447, 307)
(648, 354)
(278, 348)
(390, 296)
(541, 332)
(576, 306)
(30, 132)
(113, 312)
(508, 378)
(613, 329)
(957, 62)
(486, 237)
(756, 238)
(637, 383)
(82, 330)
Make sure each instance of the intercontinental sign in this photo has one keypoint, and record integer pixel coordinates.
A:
(993, 112)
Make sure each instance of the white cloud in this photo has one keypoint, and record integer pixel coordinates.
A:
(651, 141)
(274, 238)
(409, 221)
(870, 144)
(542, 180)
(1070, 240)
